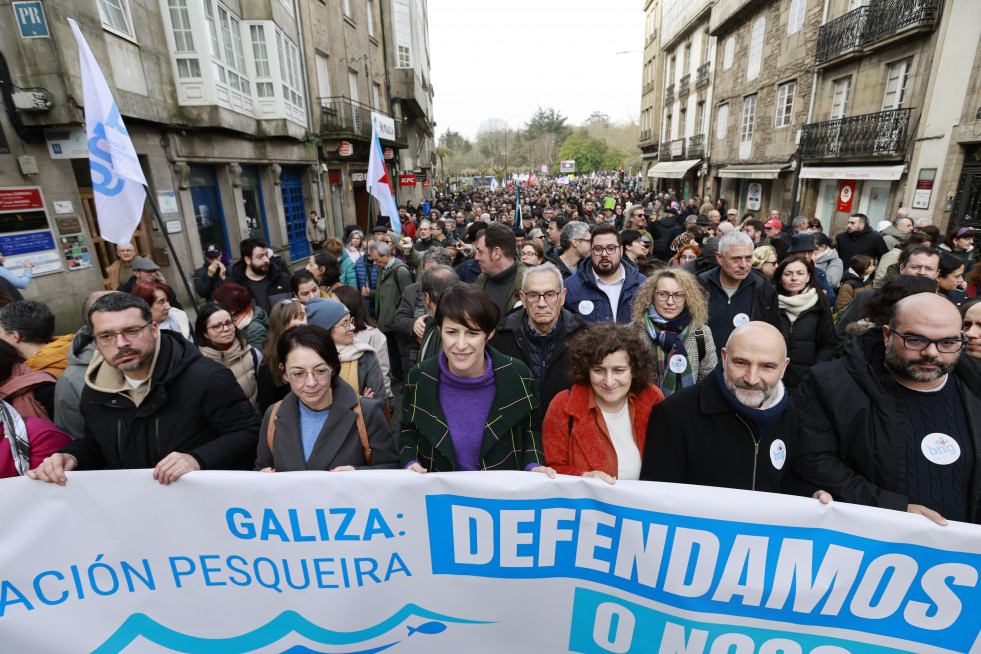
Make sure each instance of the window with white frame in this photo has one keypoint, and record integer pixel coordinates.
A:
(785, 103)
(839, 102)
(687, 62)
(403, 34)
(700, 118)
(667, 127)
(233, 56)
(260, 56)
(756, 49)
(289, 70)
(116, 16)
(346, 7)
(747, 126)
(729, 53)
(370, 16)
(682, 123)
(323, 80)
(376, 95)
(795, 19)
(706, 46)
(187, 67)
(897, 81)
(722, 121)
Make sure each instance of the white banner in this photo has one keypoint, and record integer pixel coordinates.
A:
(237, 562)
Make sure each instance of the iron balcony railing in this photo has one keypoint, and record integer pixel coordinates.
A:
(696, 146)
(841, 35)
(669, 94)
(684, 86)
(887, 17)
(880, 133)
(702, 75)
(866, 26)
(342, 117)
(664, 151)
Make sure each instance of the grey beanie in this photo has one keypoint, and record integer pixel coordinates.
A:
(325, 313)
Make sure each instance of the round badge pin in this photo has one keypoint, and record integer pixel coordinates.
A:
(740, 319)
(778, 454)
(586, 307)
(678, 363)
(940, 449)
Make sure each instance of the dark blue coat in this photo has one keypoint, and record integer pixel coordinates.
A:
(581, 287)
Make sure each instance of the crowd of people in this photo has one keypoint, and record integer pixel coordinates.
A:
(592, 329)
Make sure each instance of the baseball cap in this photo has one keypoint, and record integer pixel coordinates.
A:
(142, 263)
(773, 222)
(211, 251)
(883, 224)
(732, 212)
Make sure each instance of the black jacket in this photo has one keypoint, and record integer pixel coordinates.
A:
(810, 339)
(695, 437)
(194, 406)
(661, 231)
(510, 339)
(867, 241)
(756, 297)
(853, 434)
(279, 284)
(206, 284)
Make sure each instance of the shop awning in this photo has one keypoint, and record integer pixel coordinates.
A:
(852, 172)
(672, 169)
(757, 171)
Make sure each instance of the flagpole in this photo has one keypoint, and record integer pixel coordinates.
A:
(170, 245)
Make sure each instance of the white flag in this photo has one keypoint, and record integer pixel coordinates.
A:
(378, 183)
(117, 178)
(494, 184)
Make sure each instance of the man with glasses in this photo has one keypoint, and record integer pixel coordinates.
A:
(152, 401)
(603, 286)
(637, 219)
(537, 333)
(896, 422)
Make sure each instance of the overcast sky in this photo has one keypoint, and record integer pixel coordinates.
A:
(504, 57)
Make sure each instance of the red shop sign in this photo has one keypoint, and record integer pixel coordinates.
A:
(407, 180)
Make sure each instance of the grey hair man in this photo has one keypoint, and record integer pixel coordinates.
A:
(896, 233)
(434, 282)
(537, 333)
(800, 224)
(412, 310)
(574, 242)
(737, 293)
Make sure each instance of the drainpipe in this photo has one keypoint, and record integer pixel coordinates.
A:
(310, 125)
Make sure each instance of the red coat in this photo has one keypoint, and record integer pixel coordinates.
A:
(587, 446)
(45, 439)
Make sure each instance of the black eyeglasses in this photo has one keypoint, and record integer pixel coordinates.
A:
(918, 343)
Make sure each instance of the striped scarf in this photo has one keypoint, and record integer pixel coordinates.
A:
(667, 343)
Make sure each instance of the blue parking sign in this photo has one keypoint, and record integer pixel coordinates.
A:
(30, 20)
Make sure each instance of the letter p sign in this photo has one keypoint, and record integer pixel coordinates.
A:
(30, 20)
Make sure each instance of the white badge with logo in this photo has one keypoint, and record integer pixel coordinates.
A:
(940, 449)
(740, 319)
(678, 363)
(778, 454)
(586, 307)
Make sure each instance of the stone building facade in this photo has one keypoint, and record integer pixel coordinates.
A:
(762, 92)
(650, 96)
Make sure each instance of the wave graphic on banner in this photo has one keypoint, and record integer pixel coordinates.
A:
(287, 622)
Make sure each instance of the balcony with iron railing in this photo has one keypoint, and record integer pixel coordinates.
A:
(696, 146)
(876, 134)
(664, 151)
(341, 117)
(669, 94)
(702, 75)
(684, 86)
(865, 28)
(648, 87)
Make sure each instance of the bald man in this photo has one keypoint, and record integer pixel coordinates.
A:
(896, 422)
(724, 430)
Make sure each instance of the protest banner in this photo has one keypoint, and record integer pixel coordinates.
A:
(370, 561)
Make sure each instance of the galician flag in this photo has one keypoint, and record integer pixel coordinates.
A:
(117, 178)
(378, 183)
(493, 184)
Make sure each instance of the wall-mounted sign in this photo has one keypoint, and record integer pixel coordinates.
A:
(167, 203)
(346, 149)
(678, 148)
(44, 263)
(66, 143)
(388, 154)
(359, 176)
(407, 180)
(30, 20)
(754, 195)
(75, 251)
(24, 243)
(567, 167)
(384, 125)
(426, 184)
(924, 188)
(19, 199)
(173, 226)
(69, 225)
(64, 207)
(846, 193)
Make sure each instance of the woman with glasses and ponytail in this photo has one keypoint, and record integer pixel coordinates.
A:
(321, 424)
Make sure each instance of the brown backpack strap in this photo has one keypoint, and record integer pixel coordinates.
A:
(271, 427)
(362, 432)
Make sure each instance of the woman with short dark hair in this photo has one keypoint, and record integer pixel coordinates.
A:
(321, 424)
(471, 407)
(598, 428)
